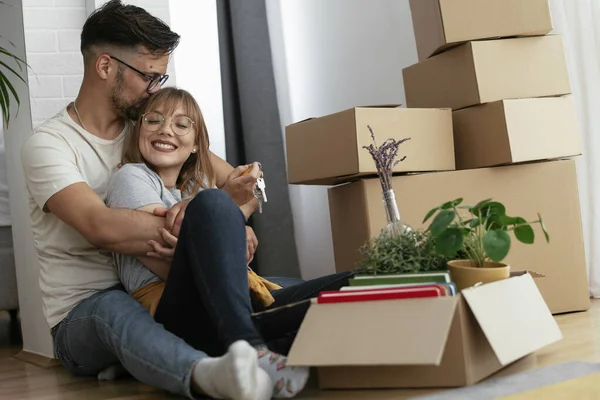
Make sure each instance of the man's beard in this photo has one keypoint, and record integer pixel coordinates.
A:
(130, 111)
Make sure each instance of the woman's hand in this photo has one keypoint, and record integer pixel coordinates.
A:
(251, 244)
(174, 216)
(161, 252)
(241, 187)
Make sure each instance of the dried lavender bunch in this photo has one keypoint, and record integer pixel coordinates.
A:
(384, 157)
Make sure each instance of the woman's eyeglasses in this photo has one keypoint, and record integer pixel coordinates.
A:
(181, 125)
(153, 80)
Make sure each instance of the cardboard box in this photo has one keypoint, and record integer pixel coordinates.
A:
(550, 188)
(329, 150)
(487, 71)
(516, 131)
(440, 24)
(435, 342)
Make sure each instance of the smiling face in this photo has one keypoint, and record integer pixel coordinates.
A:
(172, 139)
(167, 139)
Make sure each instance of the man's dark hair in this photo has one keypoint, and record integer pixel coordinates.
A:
(127, 26)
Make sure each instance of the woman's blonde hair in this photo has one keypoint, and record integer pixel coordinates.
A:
(197, 171)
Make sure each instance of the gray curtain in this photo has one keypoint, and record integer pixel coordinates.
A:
(253, 127)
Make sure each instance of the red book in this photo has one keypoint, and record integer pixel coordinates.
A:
(410, 292)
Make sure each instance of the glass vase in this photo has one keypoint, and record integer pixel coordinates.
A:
(395, 226)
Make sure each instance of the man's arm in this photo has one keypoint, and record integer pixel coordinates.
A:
(222, 169)
(118, 230)
(159, 266)
(56, 183)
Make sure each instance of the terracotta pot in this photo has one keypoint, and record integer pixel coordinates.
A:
(464, 274)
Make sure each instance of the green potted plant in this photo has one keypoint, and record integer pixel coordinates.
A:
(481, 233)
(7, 90)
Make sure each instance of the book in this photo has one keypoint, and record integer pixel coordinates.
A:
(410, 292)
(422, 277)
(450, 287)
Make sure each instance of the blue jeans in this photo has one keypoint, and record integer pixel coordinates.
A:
(204, 308)
(206, 300)
(111, 328)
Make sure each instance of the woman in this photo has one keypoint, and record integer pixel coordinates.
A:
(202, 295)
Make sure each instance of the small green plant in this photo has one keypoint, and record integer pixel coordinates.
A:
(481, 236)
(411, 251)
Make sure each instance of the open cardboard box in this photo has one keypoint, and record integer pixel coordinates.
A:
(432, 342)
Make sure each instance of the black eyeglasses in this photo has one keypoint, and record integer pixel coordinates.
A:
(154, 80)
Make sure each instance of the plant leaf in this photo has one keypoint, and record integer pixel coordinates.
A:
(451, 204)
(524, 233)
(496, 244)
(475, 210)
(2, 63)
(9, 54)
(430, 214)
(14, 93)
(4, 101)
(441, 221)
(12, 89)
(475, 222)
(493, 208)
(544, 228)
(505, 220)
(449, 242)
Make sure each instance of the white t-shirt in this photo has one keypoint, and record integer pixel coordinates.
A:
(58, 154)
(5, 219)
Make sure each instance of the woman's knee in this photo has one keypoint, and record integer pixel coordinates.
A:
(211, 202)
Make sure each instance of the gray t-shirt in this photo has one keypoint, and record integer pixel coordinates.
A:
(134, 186)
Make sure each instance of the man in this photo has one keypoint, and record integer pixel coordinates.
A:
(68, 162)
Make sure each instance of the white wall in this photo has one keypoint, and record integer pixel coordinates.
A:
(197, 64)
(36, 335)
(52, 30)
(329, 56)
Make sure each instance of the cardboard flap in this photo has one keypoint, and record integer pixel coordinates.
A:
(532, 273)
(513, 316)
(301, 121)
(381, 106)
(391, 332)
(366, 106)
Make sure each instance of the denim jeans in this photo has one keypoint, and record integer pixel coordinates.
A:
(205, 307)
(206, 300)
(111, 328)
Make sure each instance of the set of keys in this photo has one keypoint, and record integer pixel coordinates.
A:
(260, 193)
(259, 190)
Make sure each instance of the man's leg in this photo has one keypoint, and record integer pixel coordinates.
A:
(284, 281)
(111, 327)
(279, 328)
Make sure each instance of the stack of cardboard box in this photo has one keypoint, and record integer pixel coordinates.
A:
(509, 136)
(489, 115)
(506, 79)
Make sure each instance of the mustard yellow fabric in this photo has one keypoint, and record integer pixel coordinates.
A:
(149, 295)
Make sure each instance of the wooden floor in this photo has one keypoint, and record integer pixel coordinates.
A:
(20, 380)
